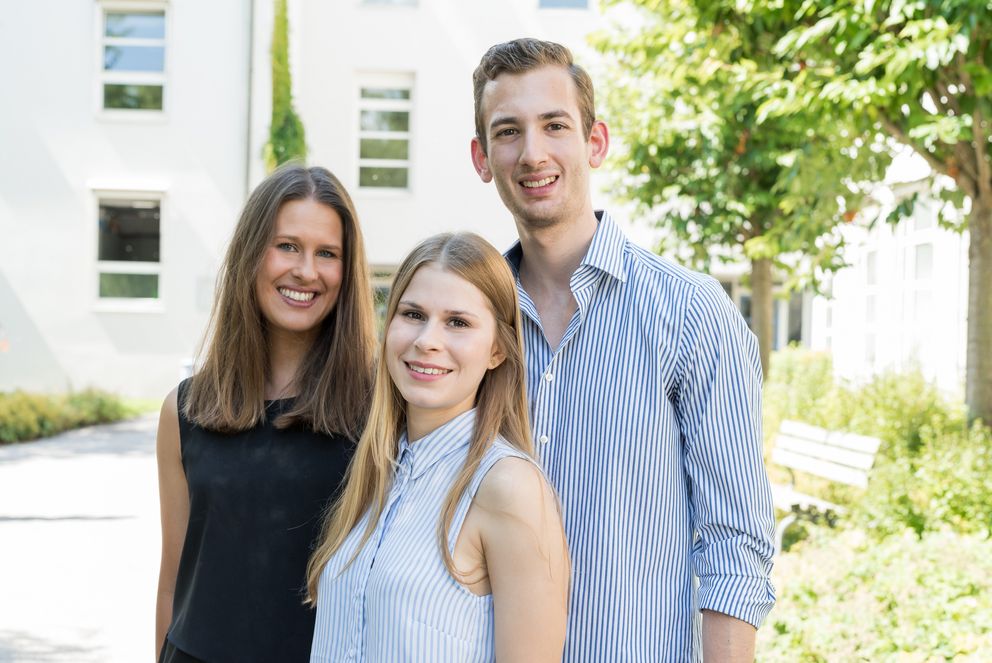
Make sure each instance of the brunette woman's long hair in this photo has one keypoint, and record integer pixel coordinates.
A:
(501, 404)
(227, 393)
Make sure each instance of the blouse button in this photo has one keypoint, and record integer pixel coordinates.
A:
(543, 439)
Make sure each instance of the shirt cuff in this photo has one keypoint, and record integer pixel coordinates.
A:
(743, 597)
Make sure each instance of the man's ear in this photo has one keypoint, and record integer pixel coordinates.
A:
(599, 143)
(481, 161)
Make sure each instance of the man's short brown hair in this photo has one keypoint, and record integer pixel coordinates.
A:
(521, 55)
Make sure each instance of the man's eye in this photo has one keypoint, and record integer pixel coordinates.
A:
(556, 126)
(505, 132)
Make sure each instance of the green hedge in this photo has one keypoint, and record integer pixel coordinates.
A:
(25, 416)
(843, 596)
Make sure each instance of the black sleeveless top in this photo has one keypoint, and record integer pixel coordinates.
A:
(256, 500)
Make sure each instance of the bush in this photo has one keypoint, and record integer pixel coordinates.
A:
(845, 597)
(932, 471)
(948, 483)
(25, 416)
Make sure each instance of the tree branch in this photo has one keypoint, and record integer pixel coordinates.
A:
(979, 139)
(952, 100)
(899, 134)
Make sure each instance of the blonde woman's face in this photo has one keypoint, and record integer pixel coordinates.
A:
(439, 345)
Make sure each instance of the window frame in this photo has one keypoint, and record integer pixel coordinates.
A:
(396, 81)
(127, 304)
(104, 77)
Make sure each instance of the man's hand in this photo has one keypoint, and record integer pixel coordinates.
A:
(726, 639)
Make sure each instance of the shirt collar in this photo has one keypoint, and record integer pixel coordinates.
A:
(426, 452)
(605, 252)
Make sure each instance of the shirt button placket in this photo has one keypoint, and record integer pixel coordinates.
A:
(546, 403)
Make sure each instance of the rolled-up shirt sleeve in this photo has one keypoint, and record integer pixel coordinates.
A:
(719, 410)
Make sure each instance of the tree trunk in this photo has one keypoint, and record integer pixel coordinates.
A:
(762, 306)
(978, 380)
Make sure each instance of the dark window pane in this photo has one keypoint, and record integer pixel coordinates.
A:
(134, 58)
(129, 232)
(384, 93)
(144, 97)
(395, 178)
(144, 286)
(385, 120)
(374, 148)
(135, 25)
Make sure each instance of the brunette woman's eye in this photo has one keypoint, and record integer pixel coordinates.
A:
(286, 246)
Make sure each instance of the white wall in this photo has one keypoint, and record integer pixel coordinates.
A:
(918, 320)
(57, 148)
(440, 42)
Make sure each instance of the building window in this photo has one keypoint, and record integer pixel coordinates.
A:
(132, 59)
(870, 268)
(923, 262)
(563, 4)
(128, 248)
(384, 133)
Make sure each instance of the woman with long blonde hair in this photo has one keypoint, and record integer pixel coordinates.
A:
(253, 445)
(446, 543)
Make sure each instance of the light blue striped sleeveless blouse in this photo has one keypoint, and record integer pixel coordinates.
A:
(397, 602)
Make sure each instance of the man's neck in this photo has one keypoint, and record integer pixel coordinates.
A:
(551, 255)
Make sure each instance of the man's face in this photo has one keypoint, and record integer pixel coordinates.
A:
(538, 155)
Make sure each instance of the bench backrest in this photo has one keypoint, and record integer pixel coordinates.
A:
(841, 457)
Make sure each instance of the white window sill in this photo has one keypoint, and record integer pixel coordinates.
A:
(132, 116)
(123, 305)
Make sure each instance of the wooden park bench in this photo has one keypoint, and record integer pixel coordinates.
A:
(840, 457)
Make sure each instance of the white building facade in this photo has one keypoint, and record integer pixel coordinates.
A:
(134, 131)
(123, 163)
(902, 303)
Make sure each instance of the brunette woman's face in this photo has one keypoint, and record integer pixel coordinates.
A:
(300, 276)
(439, 345)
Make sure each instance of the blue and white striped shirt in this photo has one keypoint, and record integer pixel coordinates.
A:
(397, 602)
(647, 419)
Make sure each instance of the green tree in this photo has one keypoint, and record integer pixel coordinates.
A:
(287, 139)
(700, 161)
(921, 71)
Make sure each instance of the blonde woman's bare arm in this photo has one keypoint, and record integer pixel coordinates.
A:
(527, 562)
(174, 512)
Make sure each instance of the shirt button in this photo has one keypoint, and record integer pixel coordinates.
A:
(548, 377)
(543, 439)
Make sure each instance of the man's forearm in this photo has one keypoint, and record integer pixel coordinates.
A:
(727, 639)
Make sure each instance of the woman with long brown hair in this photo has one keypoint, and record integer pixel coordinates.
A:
(252, 446)
(446, 543)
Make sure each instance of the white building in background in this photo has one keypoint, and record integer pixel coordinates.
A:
(902, 304)
(133, 131)
(123, 162)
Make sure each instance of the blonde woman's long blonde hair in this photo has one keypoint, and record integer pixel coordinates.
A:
(501, 403)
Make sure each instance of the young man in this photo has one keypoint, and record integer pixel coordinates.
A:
(644, 385)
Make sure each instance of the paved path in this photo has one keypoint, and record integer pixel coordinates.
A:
(79, 546)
